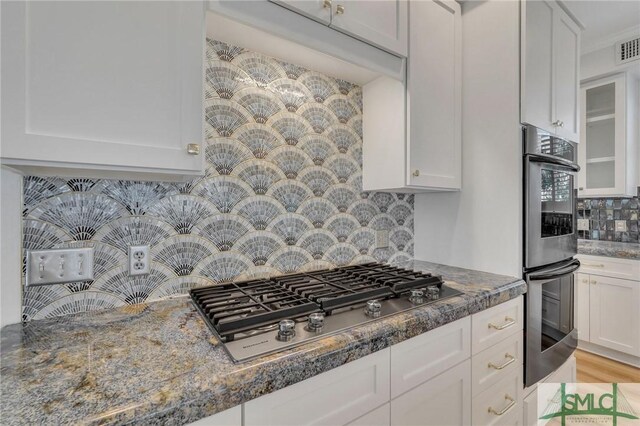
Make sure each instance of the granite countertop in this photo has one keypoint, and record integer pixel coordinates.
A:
(159, 363)
(609, 249)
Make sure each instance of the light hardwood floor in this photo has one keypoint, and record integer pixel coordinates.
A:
(596, 369)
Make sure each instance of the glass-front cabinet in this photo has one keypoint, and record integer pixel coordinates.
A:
(608, 150)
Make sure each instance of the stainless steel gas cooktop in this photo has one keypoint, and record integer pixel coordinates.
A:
(263, 316)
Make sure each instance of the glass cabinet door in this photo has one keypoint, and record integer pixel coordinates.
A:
(601, 152)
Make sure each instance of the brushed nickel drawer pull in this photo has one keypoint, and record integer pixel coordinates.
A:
(594, 265)
(505, 409)
(511, 359)
(509, 322)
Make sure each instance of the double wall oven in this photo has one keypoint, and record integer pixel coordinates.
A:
(550, 244)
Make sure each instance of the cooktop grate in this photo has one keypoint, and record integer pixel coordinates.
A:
(247, 306)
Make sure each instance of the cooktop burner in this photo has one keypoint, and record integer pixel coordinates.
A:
(261, 316)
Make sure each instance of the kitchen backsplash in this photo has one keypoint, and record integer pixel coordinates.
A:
(282, 193)
(602, 214)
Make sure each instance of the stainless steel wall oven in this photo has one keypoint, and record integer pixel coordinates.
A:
(550, 243)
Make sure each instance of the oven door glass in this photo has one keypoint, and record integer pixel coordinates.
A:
(557, 311)
(556, 203)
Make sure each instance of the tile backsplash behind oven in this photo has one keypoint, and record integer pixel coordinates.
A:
(282, 193)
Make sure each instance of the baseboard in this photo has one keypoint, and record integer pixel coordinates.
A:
(609, 353)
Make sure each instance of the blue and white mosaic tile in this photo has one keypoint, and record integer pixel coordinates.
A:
(282, 193)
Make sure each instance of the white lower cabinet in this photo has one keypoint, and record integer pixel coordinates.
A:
(443, 400)
(336, 397)
(607, 313)
(431, 379)
(381, 416)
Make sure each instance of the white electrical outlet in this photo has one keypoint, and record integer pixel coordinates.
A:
(57, 266)
(382, 238)
(583, 224)
(621, 226)
(139, 261)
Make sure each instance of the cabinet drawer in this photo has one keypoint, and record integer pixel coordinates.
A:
(327, 398)
(416, 360)
(499, 361)
(495, 324)
(497, 404)
(617, 268)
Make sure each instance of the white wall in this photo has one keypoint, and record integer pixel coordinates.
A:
(481, 226)
(10, 247)
(602, 62)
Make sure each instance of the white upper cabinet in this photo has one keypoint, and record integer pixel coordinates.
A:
(550, 65)
(434, 83)
(319, 10)
(99, 87)
(413, 132)
(608, 149)
(381, 23)
(567, 78)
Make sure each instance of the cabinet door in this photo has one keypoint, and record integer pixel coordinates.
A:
(537, 105)
(603, 166)
(105, 85)
(443, 400)
(566, 43)
(434, 96)
(614, 314)
(380, 23)
(336, 397)
(581, 310)
(319, 10)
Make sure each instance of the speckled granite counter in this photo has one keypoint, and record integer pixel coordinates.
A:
(609, 249)
(160, 364)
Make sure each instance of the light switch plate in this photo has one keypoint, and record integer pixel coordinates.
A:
(382, 238)
(583, 224)
(57, 266)
(621, 226)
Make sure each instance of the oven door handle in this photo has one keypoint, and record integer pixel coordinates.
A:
(552, 159)
(555, 273)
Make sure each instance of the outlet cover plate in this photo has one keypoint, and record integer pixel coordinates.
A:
(621, 226)
(58, 266)
(583, 224)
(139, 261)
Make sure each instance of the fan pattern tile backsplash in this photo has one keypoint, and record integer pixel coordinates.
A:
(282, 193)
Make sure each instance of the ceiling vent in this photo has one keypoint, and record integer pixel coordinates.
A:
(627, 51)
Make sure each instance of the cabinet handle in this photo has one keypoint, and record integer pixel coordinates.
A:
(416, 173)
(594, 281)
(586, 281)
(339, 9)
(510, 360)
(594, 265)
(581, 188)
(509, 322)
(558, 123)
(505, 409)
(326, 4)
(193, 149)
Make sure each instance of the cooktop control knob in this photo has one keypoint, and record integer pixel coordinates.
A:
(433, 292)
(315, 322)
(286, 330)
(373, 308)
(416, 296)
